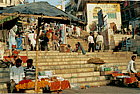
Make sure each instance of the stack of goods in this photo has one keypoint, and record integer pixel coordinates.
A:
(53, 83)
(130, 80)
(95, 61)
(117, 74)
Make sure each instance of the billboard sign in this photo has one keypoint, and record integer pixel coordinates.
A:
(111, 10)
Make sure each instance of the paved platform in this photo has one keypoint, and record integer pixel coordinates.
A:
(104, 90)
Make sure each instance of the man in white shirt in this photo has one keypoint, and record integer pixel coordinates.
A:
(90, 42)
(17, 72)
(32, 37)
(99, 41)
(78, 31)
(131, 65)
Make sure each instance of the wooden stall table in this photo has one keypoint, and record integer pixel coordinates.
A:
(115, 80)
(53, 85)
(59, 85)
(130, 80)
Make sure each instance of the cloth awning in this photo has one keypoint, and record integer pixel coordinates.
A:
(41, 9)
(5, 21)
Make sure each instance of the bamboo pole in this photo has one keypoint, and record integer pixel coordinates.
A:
(26, 41)
(5, 40)
(37, 53)
(36, 16)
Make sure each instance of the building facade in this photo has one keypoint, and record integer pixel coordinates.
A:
(110, 14)
(5, 3)
(85, 8)
(130, 11)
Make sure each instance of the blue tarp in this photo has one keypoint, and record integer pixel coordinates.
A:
(40, 8)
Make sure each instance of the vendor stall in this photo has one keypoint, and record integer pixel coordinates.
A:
(44, 13)
(46, 84)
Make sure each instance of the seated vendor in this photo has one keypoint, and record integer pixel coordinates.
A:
(30, 70)
(17, 72)
(16, 75)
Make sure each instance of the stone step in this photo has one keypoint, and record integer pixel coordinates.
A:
(60, 63)
(4, 74)
(66, 66)
(76, 75)
(55, 63)
(4, 79)
(78, 56)
(71, 62)
(71, 70)
(64, 63)
(87, 79)
(60, 53)
(55, 58)
(75, 59)
(94, 83)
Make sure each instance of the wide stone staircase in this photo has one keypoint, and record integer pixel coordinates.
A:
(117, 40)
(74, 67)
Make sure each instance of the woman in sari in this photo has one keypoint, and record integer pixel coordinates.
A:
(19, 42)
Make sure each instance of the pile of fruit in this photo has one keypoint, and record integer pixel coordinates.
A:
(29, 84)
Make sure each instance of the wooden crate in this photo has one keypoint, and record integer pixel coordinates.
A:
(102, 73)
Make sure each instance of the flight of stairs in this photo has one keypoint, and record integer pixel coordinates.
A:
(73, 41)
(74, 67)
(118, 38)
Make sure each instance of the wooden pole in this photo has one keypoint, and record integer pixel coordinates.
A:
(37, 53)
(5, 40)
(26, 41)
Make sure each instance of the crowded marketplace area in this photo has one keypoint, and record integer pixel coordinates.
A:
(44, 49)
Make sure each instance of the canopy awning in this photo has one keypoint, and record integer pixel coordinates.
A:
(5, 21)
(41, 9)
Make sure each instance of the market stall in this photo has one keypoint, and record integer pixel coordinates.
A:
(124, 79)
(44, 13)
(47, 84)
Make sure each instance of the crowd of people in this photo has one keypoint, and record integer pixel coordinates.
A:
(51, 36)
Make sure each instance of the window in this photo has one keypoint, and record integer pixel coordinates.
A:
(132, 12)
(111, 15)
